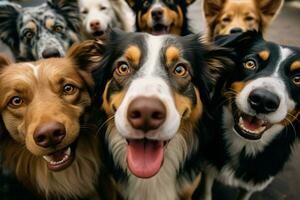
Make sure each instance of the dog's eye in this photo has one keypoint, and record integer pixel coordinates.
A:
(249, 18)
(84, 11)
(226, 19)
(296, 79)
(180, 70)
(123, 69)
(103, 8)
(250, 64)
(28, 34)
(69, 89)
(16, 101)
(58, 28)
(146, 4)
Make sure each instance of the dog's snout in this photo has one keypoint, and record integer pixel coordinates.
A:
(157, 14)
(95, 25)
(145, 113)
(49, 134)
(263, 101)
(51, 52)
(236, 30)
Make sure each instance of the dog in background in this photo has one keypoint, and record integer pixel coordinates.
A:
(48, 141)
(161, 16)
(98, 15)
(224, 17)
(153, 136)
(257, 125)
(39, 32)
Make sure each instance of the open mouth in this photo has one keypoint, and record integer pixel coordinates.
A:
(98, 33)
(145, 157)
(160, 29)
(250, 127)
(61, 159)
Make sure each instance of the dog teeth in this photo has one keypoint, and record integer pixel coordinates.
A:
(257, 131)
(68, 151)
(50, 160)
(47, 158)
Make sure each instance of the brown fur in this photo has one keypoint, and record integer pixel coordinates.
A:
(39, 84)
(224, 15)
(295, 65)
(264, 55)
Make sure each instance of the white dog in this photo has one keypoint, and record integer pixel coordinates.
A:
(98, 15)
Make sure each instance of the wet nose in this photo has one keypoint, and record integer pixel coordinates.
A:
(51, 52)
(263, 101)
(49, 134)
(145, 113)
(95, 25)
(157, 14)
(236, 30)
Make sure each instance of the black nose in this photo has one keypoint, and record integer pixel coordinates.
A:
(51, 52)
(49, 134)
(236, 30)
(263, 101)
(157, 14)
(145, 113)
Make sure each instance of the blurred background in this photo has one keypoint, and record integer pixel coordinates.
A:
(284, 30)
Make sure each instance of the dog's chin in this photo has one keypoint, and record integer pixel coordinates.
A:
(160, 29)
(145, 157)
(61, 159)
(250, 127)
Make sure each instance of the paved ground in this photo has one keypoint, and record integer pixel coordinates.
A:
(285, 30)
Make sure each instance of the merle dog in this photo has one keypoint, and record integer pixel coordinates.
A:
(43, 31)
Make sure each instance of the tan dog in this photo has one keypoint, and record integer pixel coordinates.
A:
(224, 17)
(43, 106)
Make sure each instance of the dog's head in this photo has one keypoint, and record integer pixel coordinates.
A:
(97, 16)
(161, 16)
(39, 32)
(42, 102)
(231, 16)
(157, 91)
(263, 90)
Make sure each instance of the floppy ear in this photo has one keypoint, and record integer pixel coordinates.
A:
(269, 9)
(9, 12)
(212, 8)
(4, 61)
(70, 10)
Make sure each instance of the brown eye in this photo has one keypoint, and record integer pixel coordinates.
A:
(249, 18)
(180, 70)
(29, 34)
(69, 89)
(85, 11)
(250, 64)
(16, 101)
(58, 28)
(102, 8)
(123, 69)
(226, 19)
(296, 79)
(146, 4)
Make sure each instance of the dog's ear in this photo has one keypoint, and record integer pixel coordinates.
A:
(9, 12)
(212, 8)
(269, 9)
(4, 61)
(70, 10)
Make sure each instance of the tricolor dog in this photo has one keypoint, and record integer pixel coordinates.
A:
(161, 16)
(43, 31)
(156, 93)
(257, 124)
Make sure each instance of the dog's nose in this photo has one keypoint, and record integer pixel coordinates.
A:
(49, 134)
(263, 101)
(157, 14)
(51, 52)
(145, 113)
(95, 25)
(236, 30)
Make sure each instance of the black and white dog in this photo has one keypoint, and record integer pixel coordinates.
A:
(256, 122)
(156, 92)
(43, 31)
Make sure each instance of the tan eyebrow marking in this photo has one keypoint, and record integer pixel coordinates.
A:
(295, 65)
(133, 53)
(172, 54)
(265, 54)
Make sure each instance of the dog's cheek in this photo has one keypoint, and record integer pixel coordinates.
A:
(11, 124)
(144, 21)
(177, 19)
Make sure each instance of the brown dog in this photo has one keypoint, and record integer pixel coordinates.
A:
(43, 107)
(224, 17)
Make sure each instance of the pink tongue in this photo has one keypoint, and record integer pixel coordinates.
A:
(145, 157)
(252, 123)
